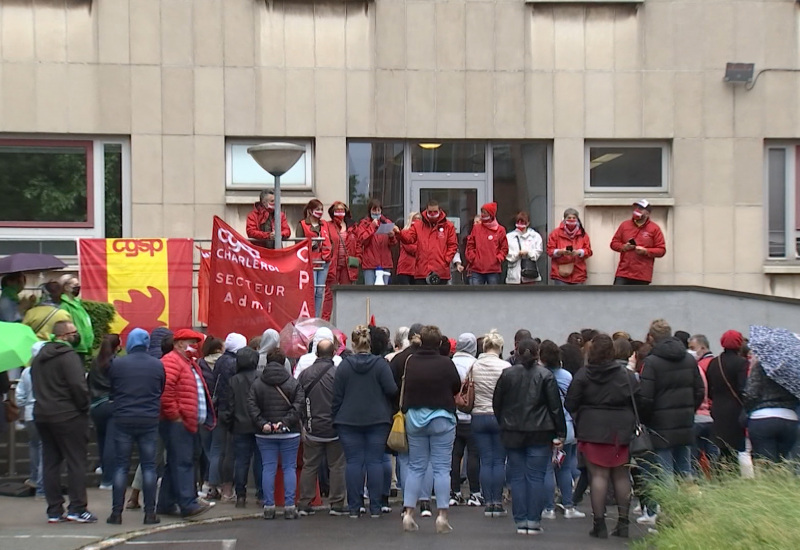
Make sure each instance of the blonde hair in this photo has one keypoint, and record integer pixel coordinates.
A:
(493, 341)
(410, 219)
(659, 329)
(360, 339)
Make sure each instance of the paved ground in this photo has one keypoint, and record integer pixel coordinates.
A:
(23, 526)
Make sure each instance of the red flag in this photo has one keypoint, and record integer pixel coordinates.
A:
(203, 276)
(253, 288)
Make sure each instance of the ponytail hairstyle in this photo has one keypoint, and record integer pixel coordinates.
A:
(528, 352)
(494, 342)
(360, 339)
(414, 336)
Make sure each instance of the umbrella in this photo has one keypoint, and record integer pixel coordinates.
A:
(24, 261)
(297, 334)
(16, 341)
(778, 351)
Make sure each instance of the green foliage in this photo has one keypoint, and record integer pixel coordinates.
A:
(102, 314)
(729, 512)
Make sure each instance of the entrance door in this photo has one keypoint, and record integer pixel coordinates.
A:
(460, 199)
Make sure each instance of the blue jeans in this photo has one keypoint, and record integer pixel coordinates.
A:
(563, 476)
(319, 287)
(146, 438)
(558, 282)
(662, 465)
(703, 443)
(370, 277)
(484, 278)
(219, 440)
(526, 470)
(431, 445)
(104, 426)
(493, 457)
(364, 448)
(35, 455)
(245, 449)
(427, 483)
(271, 450)
(177, 485)
(772, 438)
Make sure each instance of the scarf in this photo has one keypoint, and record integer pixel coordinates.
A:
(491, 225)
(10, 293)
(572, 234)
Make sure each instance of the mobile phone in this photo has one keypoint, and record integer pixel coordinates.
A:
(569, 248)
(632, 241)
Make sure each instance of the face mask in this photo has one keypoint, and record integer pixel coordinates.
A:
(375, 215)
(637, 215)
(270, 207)
(432, 215)
(75, 341)
(339, 215)
(692, 353)
(486, 218)
(571, 224)
(76, 290)
(317, 214)
(191, 351)
(521, 226)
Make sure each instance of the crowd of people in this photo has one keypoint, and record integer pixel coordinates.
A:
(537, 423)
(428, 250)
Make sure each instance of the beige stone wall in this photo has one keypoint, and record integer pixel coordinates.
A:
(178, 76)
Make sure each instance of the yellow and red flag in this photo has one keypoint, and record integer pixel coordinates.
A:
(149, 281)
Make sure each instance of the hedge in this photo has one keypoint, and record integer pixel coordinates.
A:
(102, 314)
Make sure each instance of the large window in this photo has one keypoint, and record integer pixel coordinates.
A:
(783, 208)
(627, 167)
(376, 169)
(242, 172)
(450, 156)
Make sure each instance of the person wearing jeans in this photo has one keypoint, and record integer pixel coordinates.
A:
(363, 448)
(145, 434)
(284, 448)
(773, 419)
(486, 248)
(527, 467)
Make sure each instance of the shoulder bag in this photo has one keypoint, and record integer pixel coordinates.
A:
(465, 398)
(641, 442)
(398, 440)
(744, 418)
(528, 267)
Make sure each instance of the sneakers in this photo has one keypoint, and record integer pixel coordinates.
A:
(499, 511)
(269, 512)
(646, 518)
(290, 512)
(489, 511)
(306, 511)
(456, 499)
(522, 530)
(475, 499)
(114, 519)
(548, 514)
(385, 508)
(213, 494)
(84, 517)
(105, 487)
(536, 530)
(425, 509)
(573, 513)
(57, 519)
(337, 511)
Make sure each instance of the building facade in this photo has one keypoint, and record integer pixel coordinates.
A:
(132, 118)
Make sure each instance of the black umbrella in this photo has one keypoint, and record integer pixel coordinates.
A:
(24, 261)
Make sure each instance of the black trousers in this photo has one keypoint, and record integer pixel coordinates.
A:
(626, 281)
(64, 442)
(464, 440)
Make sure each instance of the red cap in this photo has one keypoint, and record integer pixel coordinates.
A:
(452, 345)
(187, 334)
(732, 339)
(491, 208)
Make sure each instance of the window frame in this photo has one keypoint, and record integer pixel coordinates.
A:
(308, 143)
(791, 172)
(666, 156)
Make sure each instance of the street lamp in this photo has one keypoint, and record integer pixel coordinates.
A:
(277, 159)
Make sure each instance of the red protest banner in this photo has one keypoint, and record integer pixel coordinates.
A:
(203, 276)
(252, 288)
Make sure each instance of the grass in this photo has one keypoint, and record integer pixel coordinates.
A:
(730, 513)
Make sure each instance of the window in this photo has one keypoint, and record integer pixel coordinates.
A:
(454, 157)
(242, 172)
(639, 167)
(783, 210)
(56, 190)
(376, 169)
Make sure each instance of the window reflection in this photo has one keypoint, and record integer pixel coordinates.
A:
(375, 169)
(455, 156)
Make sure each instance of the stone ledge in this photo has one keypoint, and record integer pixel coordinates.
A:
(788, 267)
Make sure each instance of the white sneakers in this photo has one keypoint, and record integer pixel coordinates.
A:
(646, 518)
(573, 513)
(548, 514)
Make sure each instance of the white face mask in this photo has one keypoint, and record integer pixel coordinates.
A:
(692, 353)
(190, 350)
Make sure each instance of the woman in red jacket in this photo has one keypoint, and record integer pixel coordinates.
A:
(376, 255)
(407, 261)
(312, 226)
(345, 256)
(486, 248)
(568, 245)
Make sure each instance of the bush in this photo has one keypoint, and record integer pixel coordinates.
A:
(730, 512)
(101, 314)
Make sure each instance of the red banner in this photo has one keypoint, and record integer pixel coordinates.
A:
(253, 288)
(203, 276)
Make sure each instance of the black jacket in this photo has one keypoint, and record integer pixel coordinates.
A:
(671, 391)
(398, 366)
(599, 400)
(362, 391)
(317, 407)
(235, 416)
(265, 404)
(760, 392)
(99, 384)
(431, 381)
(137, 382)
(224, 369)
(59, 384)
(527, 405)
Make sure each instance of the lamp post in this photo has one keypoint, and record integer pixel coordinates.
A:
(277, 159)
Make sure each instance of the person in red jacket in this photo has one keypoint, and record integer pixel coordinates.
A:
(639, 242)
(376, 255)
(407, 262)
(437, 244)
(346, 255)
(312, 226)
(185, 405)
(487, 247)
(261, 221)
(569, 247)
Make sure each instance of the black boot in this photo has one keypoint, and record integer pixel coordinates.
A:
(623, 521)
(599, 529)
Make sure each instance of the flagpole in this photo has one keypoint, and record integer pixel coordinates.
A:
(367, 321)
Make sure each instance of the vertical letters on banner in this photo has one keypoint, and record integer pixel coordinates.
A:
(252, 288)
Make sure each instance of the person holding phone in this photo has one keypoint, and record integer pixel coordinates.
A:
(639, 242)
(569, 247)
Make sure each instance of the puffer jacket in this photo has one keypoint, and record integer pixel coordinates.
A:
(672, 390)
(527, 406)
(236, 417)
(761, 392)
(224, 369)
(179, 400)
(437, 245)
(375, 250)
(486, 248)
(266, 405)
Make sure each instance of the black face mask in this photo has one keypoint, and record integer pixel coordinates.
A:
(75, 341)
(76, 290)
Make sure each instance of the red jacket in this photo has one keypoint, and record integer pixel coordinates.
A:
(437, 244)
(486, 248)
(179, 400)
(319, 250)
(632, 265)
(375, 248)
(407, 261)
(351, 246)
(558, 240)
(257, 227)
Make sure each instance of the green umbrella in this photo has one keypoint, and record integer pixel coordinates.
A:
(16, 341)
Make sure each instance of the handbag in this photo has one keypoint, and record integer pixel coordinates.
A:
(641, 442)
(465, 398)
(528, 268)
(398, 440)
(565, 270)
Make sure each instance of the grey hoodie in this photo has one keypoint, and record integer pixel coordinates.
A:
(270, 341)
(464, 358)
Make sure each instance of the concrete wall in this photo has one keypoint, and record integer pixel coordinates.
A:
(554, 312)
